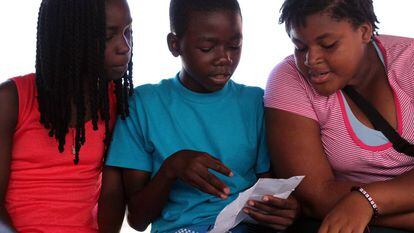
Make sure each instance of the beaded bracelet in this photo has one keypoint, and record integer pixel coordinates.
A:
(369, 199)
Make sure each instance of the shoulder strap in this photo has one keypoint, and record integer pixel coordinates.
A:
(399, 144)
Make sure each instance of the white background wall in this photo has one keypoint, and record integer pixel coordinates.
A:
(265, 42)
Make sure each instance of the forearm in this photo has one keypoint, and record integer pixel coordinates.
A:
(111, 211)
(356, 209)
(400, 221)
(111, 206)
(320, 199)
(145, 205)
(394, 196)
(6, 225)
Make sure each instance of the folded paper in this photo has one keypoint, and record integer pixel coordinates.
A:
(232, 214)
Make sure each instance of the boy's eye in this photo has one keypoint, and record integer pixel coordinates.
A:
(236, 46)
(206, 49)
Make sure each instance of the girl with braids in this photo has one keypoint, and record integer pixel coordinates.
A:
(55, 124)
(356, 175)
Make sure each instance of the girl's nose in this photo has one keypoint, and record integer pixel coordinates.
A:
(124, 45)
(312, 57)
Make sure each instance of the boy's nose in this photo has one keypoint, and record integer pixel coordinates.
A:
(224, 58)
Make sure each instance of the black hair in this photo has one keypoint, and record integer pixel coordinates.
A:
(70, 53)
(294, 12)
(180, 11)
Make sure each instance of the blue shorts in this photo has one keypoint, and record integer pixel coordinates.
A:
(241, 228)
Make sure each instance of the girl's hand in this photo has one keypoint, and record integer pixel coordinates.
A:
(351, 214)
(192, 167)
(274, 212)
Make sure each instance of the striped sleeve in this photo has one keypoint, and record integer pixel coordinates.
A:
(286, 90)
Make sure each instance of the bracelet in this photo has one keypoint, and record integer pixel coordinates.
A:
(369, 199)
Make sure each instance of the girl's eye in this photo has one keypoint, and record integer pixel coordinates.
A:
(300, 50)
(329, 46)
(109, 37)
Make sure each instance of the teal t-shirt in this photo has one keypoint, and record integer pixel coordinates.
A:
(167, 117)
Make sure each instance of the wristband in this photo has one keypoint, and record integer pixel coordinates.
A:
(369, 199)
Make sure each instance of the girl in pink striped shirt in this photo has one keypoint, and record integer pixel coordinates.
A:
(315, 129)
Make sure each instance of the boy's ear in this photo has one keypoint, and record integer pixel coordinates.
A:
(173, 44)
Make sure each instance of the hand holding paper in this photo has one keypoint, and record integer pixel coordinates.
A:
(232, 214)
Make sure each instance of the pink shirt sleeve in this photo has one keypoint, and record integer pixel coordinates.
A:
(287, 90)
(399, 57)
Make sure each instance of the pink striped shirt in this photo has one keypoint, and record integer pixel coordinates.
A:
(348, 156)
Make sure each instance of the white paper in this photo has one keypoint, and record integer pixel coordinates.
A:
(232, 214)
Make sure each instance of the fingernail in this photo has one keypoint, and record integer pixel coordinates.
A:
(231, 174)
(265, 198)
(226, 190)
(250, 203)
(222, 196)
(246, 211)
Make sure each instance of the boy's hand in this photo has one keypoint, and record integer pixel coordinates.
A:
(274, 212)
(192, 168)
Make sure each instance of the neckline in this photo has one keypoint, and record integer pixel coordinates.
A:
(381, 52)
(201, 97)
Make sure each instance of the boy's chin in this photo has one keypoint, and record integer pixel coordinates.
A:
(216, 87)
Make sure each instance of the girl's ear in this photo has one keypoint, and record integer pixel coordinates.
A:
(173, 44)
(366, 32)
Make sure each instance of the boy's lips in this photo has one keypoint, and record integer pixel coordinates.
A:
(220, 78)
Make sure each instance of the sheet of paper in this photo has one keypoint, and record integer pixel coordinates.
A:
(232, 214)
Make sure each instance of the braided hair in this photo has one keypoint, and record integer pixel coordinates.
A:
(294, 12)
(70, 69)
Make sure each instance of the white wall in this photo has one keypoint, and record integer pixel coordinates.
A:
(265, 42)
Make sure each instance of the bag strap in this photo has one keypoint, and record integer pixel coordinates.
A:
(398, 143)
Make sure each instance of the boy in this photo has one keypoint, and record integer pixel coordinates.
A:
(194, 142)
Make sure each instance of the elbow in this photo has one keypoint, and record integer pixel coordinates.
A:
(136, 223)
(313, 208)
(310, 210)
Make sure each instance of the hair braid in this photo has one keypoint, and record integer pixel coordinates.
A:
(70, 75)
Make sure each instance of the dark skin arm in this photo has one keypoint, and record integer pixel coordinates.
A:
(300, 152)
(9, 105)
(111, 208)
(273, 212)
(394, 199)
(147, 197)
(191, 167)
